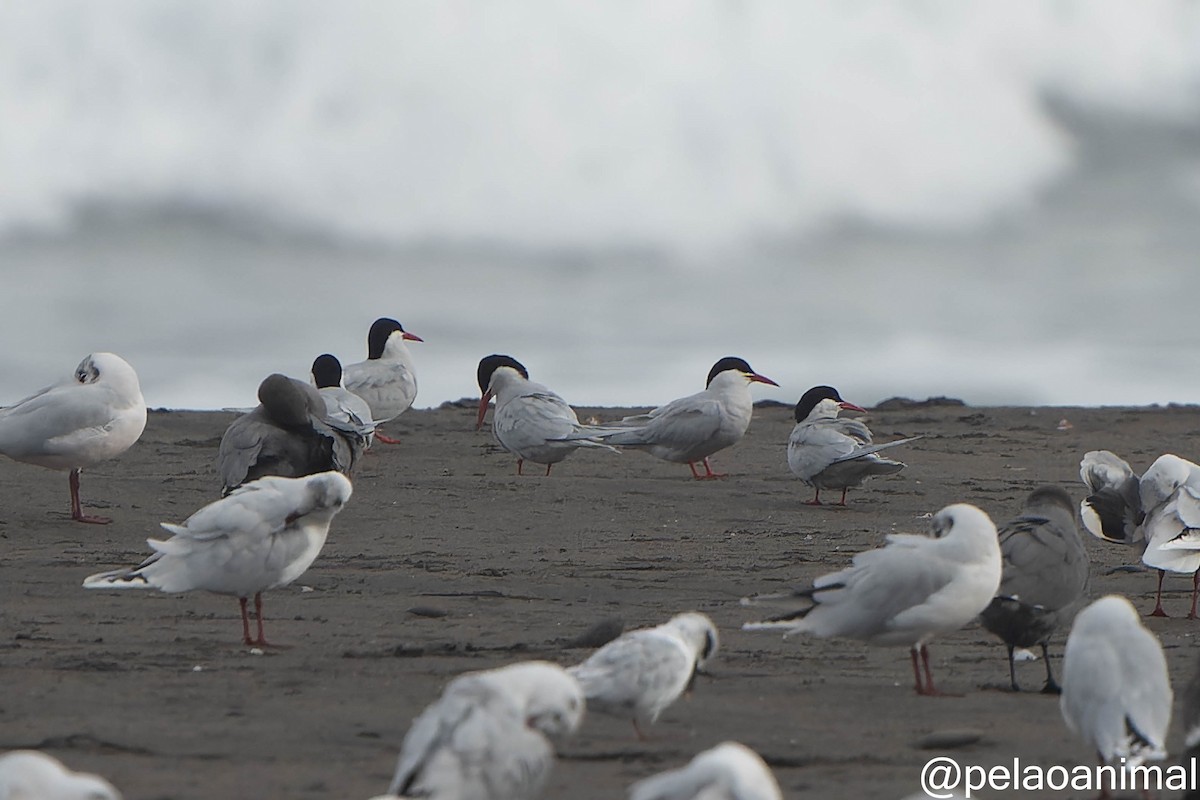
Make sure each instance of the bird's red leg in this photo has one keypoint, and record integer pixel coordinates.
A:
(816, 501)
(692, 467)
(843, 497)
(520, 465)
(708, 472)
(77, 507)
(1158, 609)
(548, 466)
(381, 437)
(916, 671)
(1195, 588)
(258, 615)
(636, 729)
(929, 687)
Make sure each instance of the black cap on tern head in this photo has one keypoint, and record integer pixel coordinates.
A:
(727, 363)
(809, 400)
(377, 337)
(327, 371)
(489, 364)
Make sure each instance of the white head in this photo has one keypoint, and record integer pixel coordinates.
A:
(698, 631)
(110, 369)
(30, 775)
(551, 700)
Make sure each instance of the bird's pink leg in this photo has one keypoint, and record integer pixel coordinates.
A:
(696, 475)
(548, 466)
(77, 507)
(245, 622)
(929, 687)
(843, 497)
(1158, 609)
(816, 501)
(381, 437)
(520, 464)
(708, 472)
(920, 687)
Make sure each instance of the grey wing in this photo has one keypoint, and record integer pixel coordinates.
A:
(240, 448)
(631, 668)
(814, 446)
(872, 449)
(1044, 561)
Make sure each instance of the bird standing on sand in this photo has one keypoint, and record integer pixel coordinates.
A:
(691, 428)
(1116, 691)
(264, 535)
(729, 771)
(1045, 577)
(341, 404)
(91, 417)
(907, 592)
(641, 672)
(828, 452)
(32, 775)
(288, 435)
(387, 380)
(490, 736)
(1156, 513)
(529, 420)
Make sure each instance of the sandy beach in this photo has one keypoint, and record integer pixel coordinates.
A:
(446, 561)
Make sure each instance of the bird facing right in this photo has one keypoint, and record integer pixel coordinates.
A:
(1045, 577)
(387, 380)
(906, 593)
(1116, 691)
(729, 771)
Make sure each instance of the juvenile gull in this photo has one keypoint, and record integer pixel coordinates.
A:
(906, 593)
(729, 771)
(342, 405)
(1044, 579)
(31, 775)
(289, 435)
(530, 421)
(95, 415)
(387, 380)
(262, 536)
(1116, 692)
(829, 452)
(490, 736)
(641, 672)
(692, 428)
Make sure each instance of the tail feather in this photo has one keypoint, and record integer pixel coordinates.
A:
(118, 579)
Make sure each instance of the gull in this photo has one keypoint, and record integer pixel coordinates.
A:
(490, 736)
(341, 404)
(95, 415)
(1045, 577)
(288, 435)
(32, 775)
(729, 771)
(1147, 512)
(692, 428)
(264, 535)
(907, 592)
(642, 672)
(387, 380)
(1116, 692)
(828, 452)
(530, 420)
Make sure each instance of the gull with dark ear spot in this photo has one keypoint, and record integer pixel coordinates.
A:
(490, 736)
(288, 435)
(692, 428)
(32, 775)
(640, 673)
(341, 404)
(95, 415)
(264, 535)
(529, 420)
(729, 771)
(829, 452)
(906, 593)
(1045, 577)
(1116, 691)
(387, 380)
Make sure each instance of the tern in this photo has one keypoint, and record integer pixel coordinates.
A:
(387, 380)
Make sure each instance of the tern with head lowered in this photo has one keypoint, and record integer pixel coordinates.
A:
(387, 380)
(906, 593)
(729, 771)
(342, 405)
(490, 736)
(264, 535)
(640, 673)
(692, 428)
(1116, 692)
(289, 434)
(95, 415)
(530, 421)
(1045, 577)
(829, 452)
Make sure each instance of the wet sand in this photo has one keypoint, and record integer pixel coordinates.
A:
(446, 561)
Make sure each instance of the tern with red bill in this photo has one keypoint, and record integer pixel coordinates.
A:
(530, 420)
(387, 380)
(692, 428)
(829, 452)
